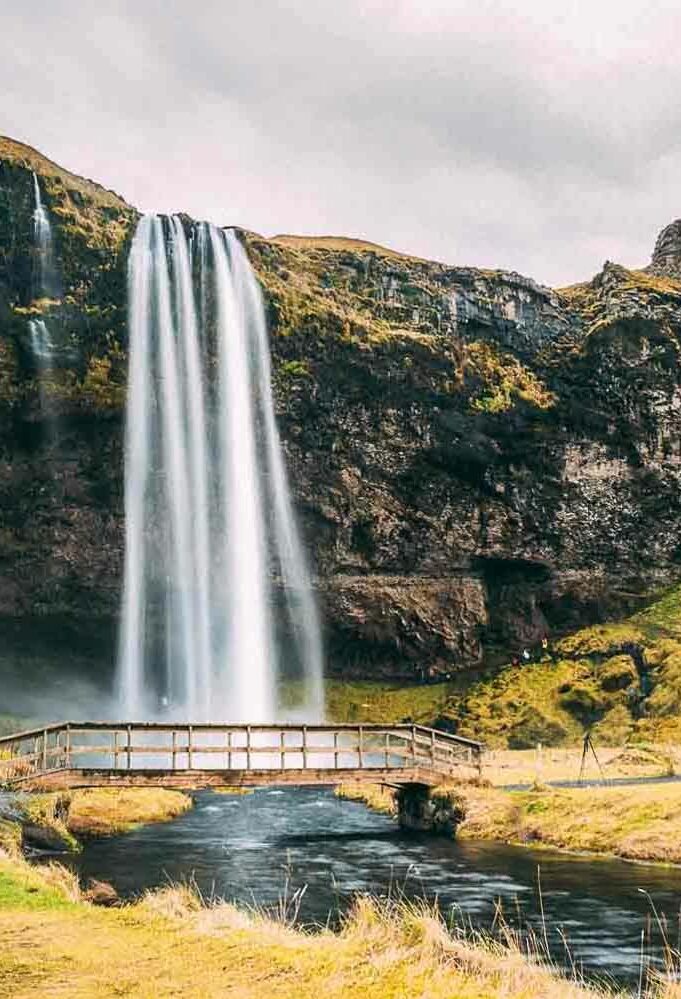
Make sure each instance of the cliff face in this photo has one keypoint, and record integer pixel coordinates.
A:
(476, 458)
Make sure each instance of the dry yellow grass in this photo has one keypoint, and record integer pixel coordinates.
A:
(168, 945)
(107, 811)
(636, 822)
(529, 766)
(338, 243)
(375, 796)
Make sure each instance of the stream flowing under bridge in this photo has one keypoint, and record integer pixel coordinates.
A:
(188, 756)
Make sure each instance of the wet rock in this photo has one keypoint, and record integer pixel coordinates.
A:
(420, 810)
(101, 893)
(39, 837)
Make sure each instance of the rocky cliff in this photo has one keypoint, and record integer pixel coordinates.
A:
(477, 458)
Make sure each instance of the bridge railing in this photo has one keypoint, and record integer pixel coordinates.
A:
(148, 746)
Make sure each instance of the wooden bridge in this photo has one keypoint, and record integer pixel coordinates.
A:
(121, 754)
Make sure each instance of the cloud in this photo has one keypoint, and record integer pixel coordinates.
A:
(489, 132)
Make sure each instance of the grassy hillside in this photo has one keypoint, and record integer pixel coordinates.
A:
(620, 680)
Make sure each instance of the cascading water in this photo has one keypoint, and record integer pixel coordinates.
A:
(44, 286)
(42, 234)
(211, 537)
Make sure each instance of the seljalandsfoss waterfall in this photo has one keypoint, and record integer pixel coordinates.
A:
(219, 621)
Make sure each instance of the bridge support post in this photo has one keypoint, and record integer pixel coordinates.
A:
(419, 810)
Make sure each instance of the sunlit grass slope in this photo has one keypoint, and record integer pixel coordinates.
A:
(621, 681)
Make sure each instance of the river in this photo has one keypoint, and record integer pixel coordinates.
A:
(262, 848)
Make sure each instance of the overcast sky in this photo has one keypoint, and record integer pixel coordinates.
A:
(541, 136)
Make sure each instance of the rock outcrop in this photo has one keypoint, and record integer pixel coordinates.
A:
(667, 252)
(477, 459)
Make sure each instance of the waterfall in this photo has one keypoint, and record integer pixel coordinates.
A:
(44, 286)
(212, 542)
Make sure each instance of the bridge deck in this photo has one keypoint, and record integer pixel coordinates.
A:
(122, 754)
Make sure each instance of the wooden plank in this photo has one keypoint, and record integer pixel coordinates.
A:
(219, 727)
(224, 778)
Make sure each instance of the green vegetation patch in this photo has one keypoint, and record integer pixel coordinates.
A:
(620, 680)
(503, 380)
(350, 701)
(22, 887)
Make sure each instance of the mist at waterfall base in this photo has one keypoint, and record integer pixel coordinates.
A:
(218, 618)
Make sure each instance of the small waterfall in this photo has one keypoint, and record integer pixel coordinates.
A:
(45, 283)
(41, 344)
(211, 536)
(44, 286)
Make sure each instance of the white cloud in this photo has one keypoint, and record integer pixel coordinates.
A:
(483, 132)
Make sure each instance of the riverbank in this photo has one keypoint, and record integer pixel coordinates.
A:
(640, 822)
(60, 821)
(169, 944)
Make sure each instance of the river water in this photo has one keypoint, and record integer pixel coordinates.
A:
(262, 847)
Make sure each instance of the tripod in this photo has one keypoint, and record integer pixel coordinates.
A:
(587, 746)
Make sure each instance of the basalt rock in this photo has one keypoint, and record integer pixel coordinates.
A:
(667, 252)
(477, 459)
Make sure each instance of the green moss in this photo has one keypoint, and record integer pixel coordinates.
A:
(617, 673)
(20, 888)
(50, 811)
(584, 701)
(295, 369)
(602, 639)
(376, 702)
(502, 379)
(519, 707)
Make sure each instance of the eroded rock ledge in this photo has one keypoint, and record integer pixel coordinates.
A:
(476, 458)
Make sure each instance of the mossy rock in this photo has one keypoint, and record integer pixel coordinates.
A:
(617, 673)
(532, 727)
(615, 728)
(601, 640)
(584, 700)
